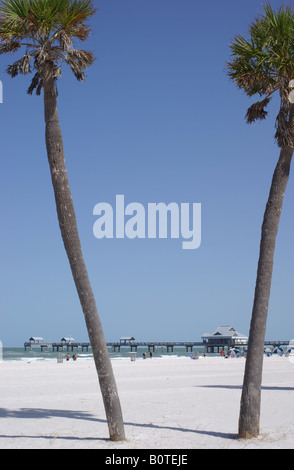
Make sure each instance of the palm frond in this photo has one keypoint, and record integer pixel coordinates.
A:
(65, 40)
(15, 10)
(9, 46)
(78, 12)
(35, 83)
(257, 111)
(85, 58)
(79, 60)
(22, 66)
(284, 133)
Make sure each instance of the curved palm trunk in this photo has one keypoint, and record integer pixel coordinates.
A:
(251, 393)
(69, 231)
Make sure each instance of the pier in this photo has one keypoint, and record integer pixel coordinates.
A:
(115, 346)
(152, 346)
(68, 344)
(57, 346)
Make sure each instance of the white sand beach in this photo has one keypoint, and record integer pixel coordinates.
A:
(168, 403)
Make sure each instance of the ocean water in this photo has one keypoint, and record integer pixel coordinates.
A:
(19, 354)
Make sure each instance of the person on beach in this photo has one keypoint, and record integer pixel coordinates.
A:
(151, 354)
(67, 357)
(144, 355)
(74, 357)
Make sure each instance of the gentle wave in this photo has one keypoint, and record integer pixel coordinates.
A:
(19, 354)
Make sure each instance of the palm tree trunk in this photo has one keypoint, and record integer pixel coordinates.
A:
(69, 232)
(251, 394)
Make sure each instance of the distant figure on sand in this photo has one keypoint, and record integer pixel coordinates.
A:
(74, 357)
(151, 354)
(144, 355)
(67, 357)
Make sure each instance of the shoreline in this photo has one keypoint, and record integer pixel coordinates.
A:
(170, 403)
(19, 354)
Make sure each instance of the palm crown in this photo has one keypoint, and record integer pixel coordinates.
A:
(46, 29)
(264, 64)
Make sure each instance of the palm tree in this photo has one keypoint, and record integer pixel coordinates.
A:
(46, 30)
(264, 65)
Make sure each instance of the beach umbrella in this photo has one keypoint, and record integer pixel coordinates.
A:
(278, 350)
(235, 352)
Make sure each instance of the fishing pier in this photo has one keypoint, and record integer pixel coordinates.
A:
(66, 344)
(209, 344)
(70, 345)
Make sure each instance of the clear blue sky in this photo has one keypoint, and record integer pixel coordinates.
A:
(158, 121)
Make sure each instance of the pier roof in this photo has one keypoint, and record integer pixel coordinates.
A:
(127, 338)
(224, 332)
(36, 338)
(68, 340)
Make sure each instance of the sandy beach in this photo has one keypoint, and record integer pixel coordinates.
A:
(172, 403)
